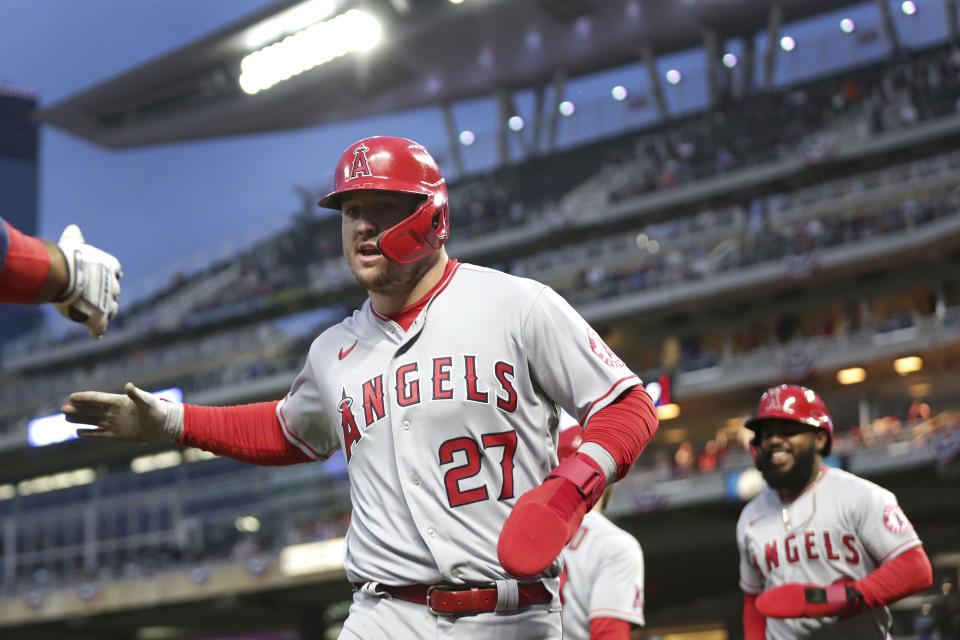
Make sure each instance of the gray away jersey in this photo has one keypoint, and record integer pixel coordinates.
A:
(841, 527)
(445, 425)
(603, 577)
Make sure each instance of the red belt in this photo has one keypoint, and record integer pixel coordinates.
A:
(450, 600)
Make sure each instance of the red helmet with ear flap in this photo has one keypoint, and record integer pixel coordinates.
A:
(385, 163)
(569, 441)
(795, 403)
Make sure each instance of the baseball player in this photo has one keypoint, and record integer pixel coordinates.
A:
(602, 581)
(822, 552)
(82, 281)
(443, 391)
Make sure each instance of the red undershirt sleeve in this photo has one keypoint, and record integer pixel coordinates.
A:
(908, 573)
(609, 629)
(248, 432)
(754, 624)
(624, 427)
(25, 268)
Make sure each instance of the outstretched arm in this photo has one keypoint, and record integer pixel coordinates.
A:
(82, 281)
(249, 433)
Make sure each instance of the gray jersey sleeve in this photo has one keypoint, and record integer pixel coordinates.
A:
(751, 580)
(303, 416)
(569, 360)
(882, 525)
(618, 587)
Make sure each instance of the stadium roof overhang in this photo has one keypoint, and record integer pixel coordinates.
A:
(432, 52)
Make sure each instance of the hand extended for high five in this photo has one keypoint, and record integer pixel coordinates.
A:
(134, 416)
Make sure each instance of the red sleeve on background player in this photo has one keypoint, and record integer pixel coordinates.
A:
(624, 427)
(25, 268)
(908, 573)
(609, 629)
(754, 624)
(248, 432)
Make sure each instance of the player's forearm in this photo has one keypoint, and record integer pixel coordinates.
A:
(906, 574)
(754, 624)
(624, 428)
(609, 629)
(249, 433)
(25, 278)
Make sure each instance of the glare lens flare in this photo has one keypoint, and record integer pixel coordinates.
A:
(354, 30)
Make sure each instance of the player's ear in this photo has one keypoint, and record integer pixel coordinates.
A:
(820, 439)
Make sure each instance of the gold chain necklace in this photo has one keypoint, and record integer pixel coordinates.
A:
(813, 498)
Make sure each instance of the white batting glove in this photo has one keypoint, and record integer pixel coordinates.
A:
(94, 283)
(135, 416)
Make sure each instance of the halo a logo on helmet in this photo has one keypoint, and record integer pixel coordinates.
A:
(361, 166)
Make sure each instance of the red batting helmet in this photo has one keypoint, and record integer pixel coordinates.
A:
(795, 403)
(569, 441)
(385, 163)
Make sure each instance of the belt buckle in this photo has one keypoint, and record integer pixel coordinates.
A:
(430, 591)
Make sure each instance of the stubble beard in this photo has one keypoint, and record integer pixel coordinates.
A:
(796, 477)
(393, 279)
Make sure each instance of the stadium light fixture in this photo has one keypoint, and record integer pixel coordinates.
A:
(730, 60)
(675, 436)
(566, 108)
(57, 481)
(534, 40)
(920, 390)
(197, 455)
(668, 411)
(312, 557)
(674, 76)
(456, 1)
(787, 43)
(847, 25)
(908, 364)
(467, 137)
(515, 123)
(155, 461)
(322, 42)
(853, 375)
(619, 93)
(247, 524)
(583, 27)
(909, 7)
(289, 21)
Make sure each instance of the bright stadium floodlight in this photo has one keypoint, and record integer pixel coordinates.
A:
(566, 108)
(730, 60)
(674, 76)
(787, 43)
(907, 364)
(515, 123)
(909, 7)
(297, 17)
(619, 93)
(354, 30)
(847, 25)
(853, 375)
(668, 411)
